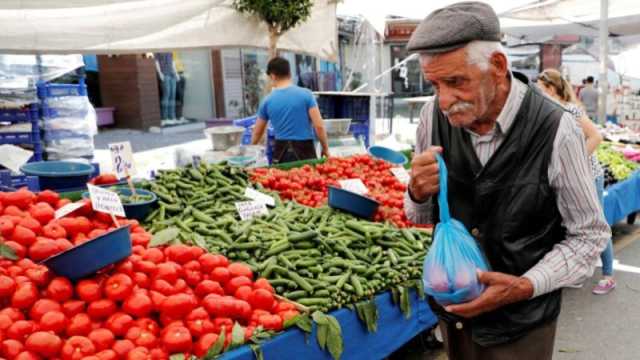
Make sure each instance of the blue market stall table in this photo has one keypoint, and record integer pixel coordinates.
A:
(394, 330)
(622, 199)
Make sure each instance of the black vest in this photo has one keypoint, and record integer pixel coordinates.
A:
(508, 205)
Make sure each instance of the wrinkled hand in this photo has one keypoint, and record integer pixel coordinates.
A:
(425, 179)
(501, 289)
(325, 153)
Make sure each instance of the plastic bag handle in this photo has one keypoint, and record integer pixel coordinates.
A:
(443, 203)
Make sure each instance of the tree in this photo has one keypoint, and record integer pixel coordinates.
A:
(279, 15)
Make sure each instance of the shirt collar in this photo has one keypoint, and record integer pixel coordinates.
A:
(512, 105)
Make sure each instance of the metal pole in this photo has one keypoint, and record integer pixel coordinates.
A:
(604, 55)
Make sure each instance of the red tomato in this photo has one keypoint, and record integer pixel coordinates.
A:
(25, 296)
(73, 307)
(102, 339)
(180, 254)
(123, 347)
(168, 271)
(206, 287)
(7, 286)
(141, 337)
(243, 293)
(119, 323)
(263, 283)
(101, 309)
(177, 339)
(107, 355)
(10, 348)
(44, 344)
(43, 306)
(118, 287)
(89, 290)
(203, 345)
(233, 284)
(79, 324)
(178, 305)
(154, 255)
(148, 325)
(77, 347)
(20, 329)
(54, 321)
(138, 304)
(261, 299)
(239, 269)
(60, 289)
(221, 275)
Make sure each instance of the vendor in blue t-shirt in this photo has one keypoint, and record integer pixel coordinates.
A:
(294, 114)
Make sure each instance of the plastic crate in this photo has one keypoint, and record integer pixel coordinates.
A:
(17, 181)
(327, 106)
(56, 90)
(25, 114)
(355, 108)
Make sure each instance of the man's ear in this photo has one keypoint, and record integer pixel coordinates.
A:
(499, 64)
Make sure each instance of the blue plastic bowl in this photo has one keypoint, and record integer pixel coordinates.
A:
(384, 153)
(54, 175)
(358, 205)
(138, 211)
(87, 258)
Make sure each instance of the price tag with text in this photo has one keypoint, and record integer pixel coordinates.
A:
(13, 157)
(259, 197)
(105, 201)
(401, 174)
(354, 185)
(68, 209)
(250, 209)
(122, 159)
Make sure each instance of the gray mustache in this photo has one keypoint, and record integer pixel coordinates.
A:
(458, 107)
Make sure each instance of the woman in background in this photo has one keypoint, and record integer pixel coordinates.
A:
(558, 88)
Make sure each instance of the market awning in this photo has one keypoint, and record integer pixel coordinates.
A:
(127, 26)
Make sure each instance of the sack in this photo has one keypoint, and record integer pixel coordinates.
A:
(450, 268)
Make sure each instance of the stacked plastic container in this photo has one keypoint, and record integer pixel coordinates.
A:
(248, 123)
(356, 108)
(69, 121)
(20, 127)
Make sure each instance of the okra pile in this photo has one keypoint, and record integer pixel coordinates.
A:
(318, 257)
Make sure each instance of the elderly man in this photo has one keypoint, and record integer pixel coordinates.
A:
(518, 179)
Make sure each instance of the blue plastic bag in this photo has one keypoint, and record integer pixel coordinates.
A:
(450, 268)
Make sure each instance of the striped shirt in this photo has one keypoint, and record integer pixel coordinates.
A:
(596, 169)
(574, 258)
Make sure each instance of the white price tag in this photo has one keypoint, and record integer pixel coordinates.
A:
(256, 195)
(250, 209)
(68, 209)
(354, 185)
(401, 174)
(13, 157)
(105, 201)
(122, 159)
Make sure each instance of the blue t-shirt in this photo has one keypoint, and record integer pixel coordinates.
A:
(288, 111)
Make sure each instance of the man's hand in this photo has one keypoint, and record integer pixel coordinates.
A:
(425, 181)
(325, 152)
(501, 289)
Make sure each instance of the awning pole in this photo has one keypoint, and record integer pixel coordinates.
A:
(604, 55)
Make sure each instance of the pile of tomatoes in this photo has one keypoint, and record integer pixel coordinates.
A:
(155, 303)
(308, 185)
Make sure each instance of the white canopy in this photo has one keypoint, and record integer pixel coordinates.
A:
(126, 26)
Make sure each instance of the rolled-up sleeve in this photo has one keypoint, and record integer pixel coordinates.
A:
(574, 259)
(420, 213)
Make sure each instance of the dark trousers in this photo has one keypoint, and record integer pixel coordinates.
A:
(536, 345)
(293, 150)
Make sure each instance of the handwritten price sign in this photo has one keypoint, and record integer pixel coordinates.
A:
(105, 201)
(122, 159)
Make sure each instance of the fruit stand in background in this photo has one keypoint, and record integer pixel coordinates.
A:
(622, 181)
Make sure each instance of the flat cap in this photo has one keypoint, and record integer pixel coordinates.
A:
(454, 26)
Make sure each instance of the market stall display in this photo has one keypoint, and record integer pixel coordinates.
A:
(308, 185)
(617, 167)
(160, 300)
